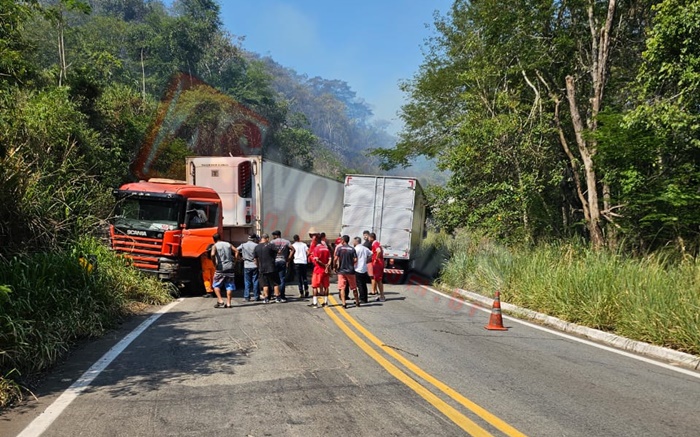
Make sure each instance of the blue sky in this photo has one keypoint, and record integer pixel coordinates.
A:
(370, 44)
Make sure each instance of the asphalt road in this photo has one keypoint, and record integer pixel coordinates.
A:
(417, 364)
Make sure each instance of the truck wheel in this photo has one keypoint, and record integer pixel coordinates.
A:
(194, 285)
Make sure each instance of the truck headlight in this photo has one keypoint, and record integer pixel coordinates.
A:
(166, 265)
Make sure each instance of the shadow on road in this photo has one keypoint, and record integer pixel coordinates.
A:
(170, 354)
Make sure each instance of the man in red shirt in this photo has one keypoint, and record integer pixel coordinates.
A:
(320, 279)
(377, 267)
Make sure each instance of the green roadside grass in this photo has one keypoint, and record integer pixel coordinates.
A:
(654, 298)
(49, 301)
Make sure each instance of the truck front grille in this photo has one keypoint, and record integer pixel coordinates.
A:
(143, 251)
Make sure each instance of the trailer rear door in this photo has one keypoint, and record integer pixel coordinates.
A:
(383, 205)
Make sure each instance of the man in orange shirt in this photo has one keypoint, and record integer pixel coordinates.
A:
(208, 270)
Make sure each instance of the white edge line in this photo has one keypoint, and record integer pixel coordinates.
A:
(483, 300)
(45, 419)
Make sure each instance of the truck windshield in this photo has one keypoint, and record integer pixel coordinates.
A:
(147, 214)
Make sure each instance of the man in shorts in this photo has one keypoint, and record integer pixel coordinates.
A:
(223, 254)
(345, 259)
(264, 256)
(377, 267)
(320, 278)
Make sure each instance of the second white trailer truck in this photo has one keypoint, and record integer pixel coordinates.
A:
(392, 207)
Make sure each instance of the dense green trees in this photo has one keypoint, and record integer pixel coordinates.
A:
(655, 163)
(79, 86)
(553, 119)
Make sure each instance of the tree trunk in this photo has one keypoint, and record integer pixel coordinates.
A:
(61, 56)
(593, 221)
(143, 78)
(600, 50)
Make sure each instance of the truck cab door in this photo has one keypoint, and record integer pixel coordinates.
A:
(201, 223)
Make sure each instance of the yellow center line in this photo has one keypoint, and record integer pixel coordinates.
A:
(479, 411)
(458, 418)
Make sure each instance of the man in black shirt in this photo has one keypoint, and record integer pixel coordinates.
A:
(285, 254)
(264, 256)
(345, 259)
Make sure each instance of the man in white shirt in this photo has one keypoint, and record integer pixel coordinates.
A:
(363, 256)
(301, 258)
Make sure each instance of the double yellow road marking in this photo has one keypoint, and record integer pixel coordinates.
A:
(453, 414)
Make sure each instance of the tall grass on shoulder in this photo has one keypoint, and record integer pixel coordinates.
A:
(650, 299)
(431, 254)
(476, 263)
(51, 300)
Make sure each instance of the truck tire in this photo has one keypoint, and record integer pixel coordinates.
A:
(193, 282)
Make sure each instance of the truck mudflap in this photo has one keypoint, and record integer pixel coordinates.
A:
(394, 276)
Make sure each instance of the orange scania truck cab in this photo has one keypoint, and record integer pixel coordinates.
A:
(164, 226)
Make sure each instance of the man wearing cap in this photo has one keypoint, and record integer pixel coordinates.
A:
(314, 237)
(285, 254)
(250, 269)
(264, 255)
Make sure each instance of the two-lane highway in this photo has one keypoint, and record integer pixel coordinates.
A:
(418, 364)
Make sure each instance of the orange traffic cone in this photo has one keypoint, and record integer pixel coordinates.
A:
(496, 320)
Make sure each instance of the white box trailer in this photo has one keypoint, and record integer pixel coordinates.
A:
(262, 196)
(392, 207)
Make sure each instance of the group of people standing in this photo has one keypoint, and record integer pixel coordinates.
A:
(266, 263)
